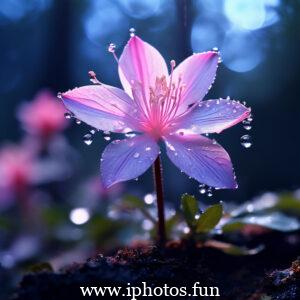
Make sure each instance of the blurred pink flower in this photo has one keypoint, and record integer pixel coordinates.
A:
(44, 116)
(21, 168)
(16, 171)
(96, 188)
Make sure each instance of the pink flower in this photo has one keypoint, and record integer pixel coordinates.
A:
(43, 116)
(16, 171)
(159, 106)
(21, 168)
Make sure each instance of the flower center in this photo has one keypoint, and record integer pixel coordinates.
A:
(160, 107)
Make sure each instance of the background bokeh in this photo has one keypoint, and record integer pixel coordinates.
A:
(54, 43)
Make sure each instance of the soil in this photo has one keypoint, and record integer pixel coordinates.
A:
(274, 273)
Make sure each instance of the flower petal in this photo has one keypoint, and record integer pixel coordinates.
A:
(202, 159)
(127, 159)
(142, 63)
(214, 116)
(197, 73)
(101, 106)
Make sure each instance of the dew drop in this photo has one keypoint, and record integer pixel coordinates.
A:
(215, 49)
(250, 118)
(78, 122)
(209, 192)
(148, 148)
(107, 138)
(136, 155)
(87, 139)
(202, 189)
(130, 134)
(246, 141)
(132, 32)
(92, 131)
(111, 48)
(68, 116)
(247, 124)
(59, 95)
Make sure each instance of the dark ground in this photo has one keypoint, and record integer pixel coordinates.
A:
(274, 273)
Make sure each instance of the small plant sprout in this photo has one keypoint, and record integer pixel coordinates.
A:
(158, 105)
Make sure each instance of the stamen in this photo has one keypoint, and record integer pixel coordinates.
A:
(93, 77)
(112, 48)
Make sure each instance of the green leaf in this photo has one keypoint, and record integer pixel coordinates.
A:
(273, 220)
(190, 209)
(40, 267)
(133, 202)
(209, 219)
(288, 203)
(232, 226)
(233, 249)
(171, 223)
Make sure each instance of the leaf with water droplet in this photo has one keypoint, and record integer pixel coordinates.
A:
(274, 221)
(233, 249)
(210, 218)
(190, 209)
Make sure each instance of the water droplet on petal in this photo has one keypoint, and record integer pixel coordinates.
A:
(107, 138)
(87, 139)
(78, 122)
(215, 49)
(246, 141)
(132, 32)
(93, 131)
(130, 134)
(136, 155)
(68, 115)
(148, 148)
(59, 95)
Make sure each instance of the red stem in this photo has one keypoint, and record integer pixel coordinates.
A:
(161, 230)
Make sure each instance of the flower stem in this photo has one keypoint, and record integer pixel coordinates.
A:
(161, 230)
